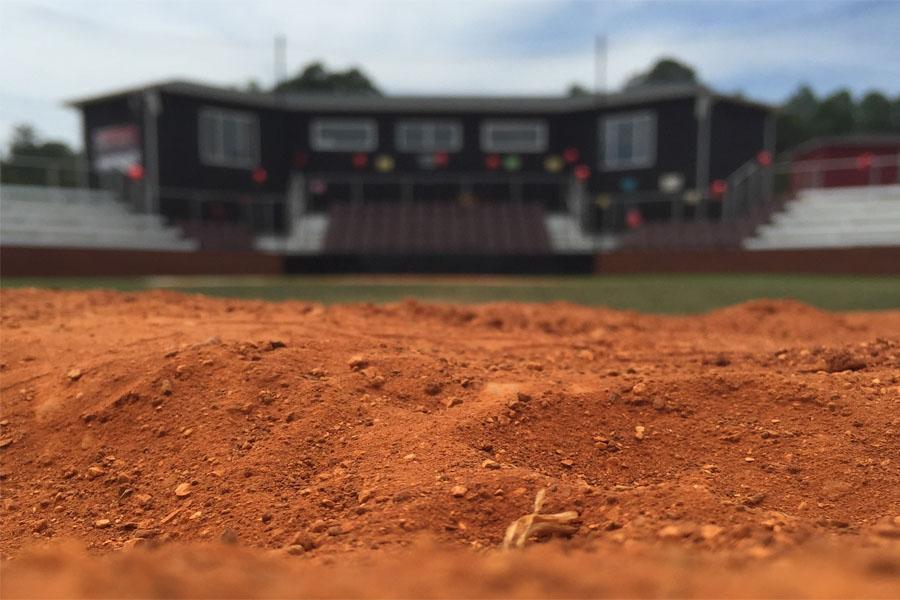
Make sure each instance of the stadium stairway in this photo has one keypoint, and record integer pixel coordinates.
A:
(567, 236)
(307, 236)
(437, 228)
(833, 218)
(80, 218)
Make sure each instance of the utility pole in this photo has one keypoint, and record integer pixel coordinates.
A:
(600, 52)
(280, 58)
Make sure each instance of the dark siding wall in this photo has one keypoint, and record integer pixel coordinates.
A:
(738, 133)
(676, 144)
(180, 164)
(124, 110)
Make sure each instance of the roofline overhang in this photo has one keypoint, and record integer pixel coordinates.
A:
(423, 103)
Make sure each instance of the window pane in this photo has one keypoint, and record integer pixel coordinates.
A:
(514, 136)
(228, 138)
(628, 140)
(625, 139)
(428, 136)
(443, 137)
(343, 136)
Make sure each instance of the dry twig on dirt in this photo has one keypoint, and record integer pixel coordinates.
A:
(522, 528)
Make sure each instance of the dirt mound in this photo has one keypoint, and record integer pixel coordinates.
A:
(353, 431)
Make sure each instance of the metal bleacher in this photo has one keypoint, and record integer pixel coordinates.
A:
(39, 216)
(833, 218)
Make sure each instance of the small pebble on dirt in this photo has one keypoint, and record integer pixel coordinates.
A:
(183, 490)
(458, 491)
(490, 464)
(358, 362)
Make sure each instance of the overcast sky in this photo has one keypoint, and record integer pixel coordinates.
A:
(56, 50)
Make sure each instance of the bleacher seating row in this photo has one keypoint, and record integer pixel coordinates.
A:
(449, 228)
(834, 218)
(80, 218)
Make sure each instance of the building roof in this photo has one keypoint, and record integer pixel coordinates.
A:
(366, 103)
(860, 139)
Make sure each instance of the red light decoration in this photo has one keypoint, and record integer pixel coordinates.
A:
(441, 159)
(260, 175)
(717, 188)
(864, 161)
(582, 172)
(135, 172)
(634, 218)
(492, 162)
(360, 160)
(571, 155)
(764, 158)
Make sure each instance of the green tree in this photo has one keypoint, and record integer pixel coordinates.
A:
(794, 122)
(576, 89)
(895, 115)
(834, 115)
(316, 78)
(666, 71)
(32, 161)
(873, 113)
(803, 104)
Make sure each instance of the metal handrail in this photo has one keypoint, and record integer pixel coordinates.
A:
(53, 168)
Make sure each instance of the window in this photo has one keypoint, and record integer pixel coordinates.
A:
(229, 138)
(514, 136)
(428, 136)
(628, 141)
(343, 135)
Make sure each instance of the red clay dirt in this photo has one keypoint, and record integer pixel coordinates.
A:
(158, 444)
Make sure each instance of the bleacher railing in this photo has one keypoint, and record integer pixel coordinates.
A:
(757, 187)
(71, 171)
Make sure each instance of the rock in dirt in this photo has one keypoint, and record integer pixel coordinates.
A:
(709, 532)
(490, 464)
(102, 523)
(74, 374)
(458, 491)
(229, 536)
(671, 532)
(843, 360)
(358, 362)
(183, 490)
